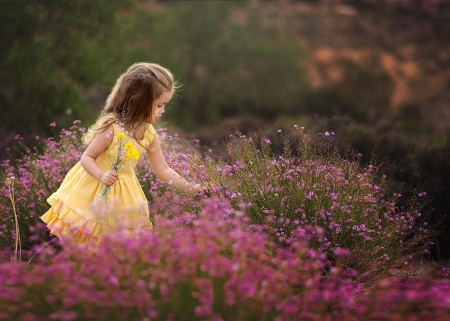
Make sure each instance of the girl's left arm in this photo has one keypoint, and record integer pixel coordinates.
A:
(163, 171)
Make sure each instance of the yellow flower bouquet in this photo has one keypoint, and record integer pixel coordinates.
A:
(125, 152)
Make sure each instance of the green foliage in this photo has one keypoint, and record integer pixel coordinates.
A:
(50, 54)
(433, 176)
(364, 93)
(231, 61)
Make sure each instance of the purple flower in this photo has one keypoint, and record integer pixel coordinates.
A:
(339, 252)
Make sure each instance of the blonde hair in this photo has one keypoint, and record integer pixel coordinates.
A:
(133, 94)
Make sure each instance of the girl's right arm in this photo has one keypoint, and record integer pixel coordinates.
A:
(88, 160)
(163, 171)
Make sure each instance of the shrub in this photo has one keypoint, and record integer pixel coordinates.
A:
(318, 187)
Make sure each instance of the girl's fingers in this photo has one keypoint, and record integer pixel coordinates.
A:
(111, 178)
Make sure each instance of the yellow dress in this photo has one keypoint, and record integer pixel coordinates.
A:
(74, 213)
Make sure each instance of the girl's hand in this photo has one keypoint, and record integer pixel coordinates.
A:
(202, 189)
(109, 178)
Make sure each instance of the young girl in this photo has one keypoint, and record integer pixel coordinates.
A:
(101, 194)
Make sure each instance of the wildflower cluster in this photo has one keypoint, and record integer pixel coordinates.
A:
(311, 184)
(38, 171)
(217, 267)
(284, 237)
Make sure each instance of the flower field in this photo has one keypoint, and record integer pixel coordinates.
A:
(300, 234)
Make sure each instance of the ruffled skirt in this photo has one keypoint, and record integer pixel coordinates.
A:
(78, 226)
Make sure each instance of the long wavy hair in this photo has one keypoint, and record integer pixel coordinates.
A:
(133, 95)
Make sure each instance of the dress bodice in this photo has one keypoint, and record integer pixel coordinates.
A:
(124, 151)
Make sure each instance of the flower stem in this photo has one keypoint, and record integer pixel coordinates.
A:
(18, 243)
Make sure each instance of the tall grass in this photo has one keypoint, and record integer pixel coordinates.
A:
(17, 243)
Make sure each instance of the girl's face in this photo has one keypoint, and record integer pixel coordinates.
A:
(159, 104)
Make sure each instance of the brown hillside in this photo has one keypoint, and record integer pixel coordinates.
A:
(408, 39)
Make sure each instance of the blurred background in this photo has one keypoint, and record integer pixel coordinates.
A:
(377, 73)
